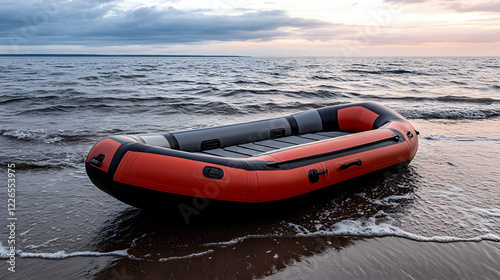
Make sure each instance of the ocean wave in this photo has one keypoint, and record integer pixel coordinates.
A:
(361, 64)
(51, 109)
(182, 81)
(89, 78)
(147, 68)
(331, 78)
(54, 163)
(49, 159)
(253, 82)
(46, 136)
(209, 108)
(446, 138)
(142, 105)
(466, 99)
(52, 136)
(7, 100)
(331, 87)
(39, 97)
(385, 72)
(441, 99)
(455, 114)
(57, 74)
(132, 76)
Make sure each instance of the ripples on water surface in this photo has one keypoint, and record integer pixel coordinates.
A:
(440, 217)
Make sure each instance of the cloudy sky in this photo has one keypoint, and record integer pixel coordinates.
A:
(256, 28)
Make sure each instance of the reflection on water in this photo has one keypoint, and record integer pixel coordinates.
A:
(247, 243)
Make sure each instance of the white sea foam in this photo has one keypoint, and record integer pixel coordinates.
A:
(4, 251)
(371, 228)
(44, 244)
(451, 188)
(187, 256)
(26, 232)
(46, 136)
(300, 229)
(452, 113)
(227, 243)
(64, 254)
(390, 200)
(445, 138)
(486, 213)
(233, 241)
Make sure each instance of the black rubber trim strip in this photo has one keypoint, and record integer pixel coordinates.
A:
(298, 162)
(329, 118)
(294, 126)
(249, 165)
(174, 144)
(385, 115)
(329, 115)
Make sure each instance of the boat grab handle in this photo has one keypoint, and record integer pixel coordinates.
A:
(314, 175)
(97, 160)
(347, 165)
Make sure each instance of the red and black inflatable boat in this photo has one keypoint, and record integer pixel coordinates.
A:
(254, 162)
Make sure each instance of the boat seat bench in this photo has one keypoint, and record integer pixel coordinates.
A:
(264, 146)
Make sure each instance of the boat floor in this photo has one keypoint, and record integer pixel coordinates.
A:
(260, 147)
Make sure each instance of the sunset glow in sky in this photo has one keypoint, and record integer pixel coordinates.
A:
(256, 28)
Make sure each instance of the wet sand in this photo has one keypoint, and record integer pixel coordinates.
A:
(291, 258)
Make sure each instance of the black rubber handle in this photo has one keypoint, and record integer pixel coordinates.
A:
(314, 175)
(213, 172)
(97, 160)
(347, 165)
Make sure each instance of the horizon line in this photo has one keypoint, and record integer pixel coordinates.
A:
(215, 55)
(125, 55)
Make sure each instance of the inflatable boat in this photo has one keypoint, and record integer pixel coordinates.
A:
(253, 162)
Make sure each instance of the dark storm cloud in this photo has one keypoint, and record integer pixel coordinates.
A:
(56, 22)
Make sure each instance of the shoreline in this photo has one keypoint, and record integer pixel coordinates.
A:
(269, 258)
